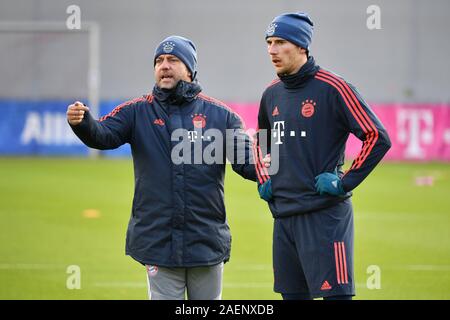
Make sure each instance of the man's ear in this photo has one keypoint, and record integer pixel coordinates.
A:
(192, 77)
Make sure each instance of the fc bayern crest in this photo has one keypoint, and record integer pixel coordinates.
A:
(168, 47)
(152, 270)
(308, 108)
(271, 29)
(199, 120)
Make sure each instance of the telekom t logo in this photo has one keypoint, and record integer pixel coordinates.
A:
(278, 132)
(278, 127)
(192, 135)
(415, 129)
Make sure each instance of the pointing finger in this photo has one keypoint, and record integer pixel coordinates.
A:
(79, 106)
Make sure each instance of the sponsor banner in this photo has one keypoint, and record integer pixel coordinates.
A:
(40, 128)
(417, 131)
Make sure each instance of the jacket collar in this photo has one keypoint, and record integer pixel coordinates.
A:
(297, 80)
(182, 92)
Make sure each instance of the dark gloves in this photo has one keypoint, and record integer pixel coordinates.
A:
(265, 190)
(329, 183)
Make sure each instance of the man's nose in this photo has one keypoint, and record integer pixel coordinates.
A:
(272, 49)
(165, 65)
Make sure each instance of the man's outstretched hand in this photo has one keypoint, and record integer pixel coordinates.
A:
(75, 113)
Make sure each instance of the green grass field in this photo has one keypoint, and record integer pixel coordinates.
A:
(401, 227)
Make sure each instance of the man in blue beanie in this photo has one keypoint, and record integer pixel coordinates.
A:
(181, 49)
(178, 227)
(310, 113)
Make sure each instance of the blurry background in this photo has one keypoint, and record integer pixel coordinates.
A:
(405, 61)
(58, 211)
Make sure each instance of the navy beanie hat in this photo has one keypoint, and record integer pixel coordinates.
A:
(294, 27)
(182, 48)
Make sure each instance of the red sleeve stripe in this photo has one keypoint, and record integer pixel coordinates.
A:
(345, 100)
(119, 107)
(345, 95)
(358, 113)
(356, 162)
(256, 159)
(257, 166)
(353, 96)
(367, 148)
(264, 169)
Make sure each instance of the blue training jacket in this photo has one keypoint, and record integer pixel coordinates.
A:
(308, 117)
(178, 217)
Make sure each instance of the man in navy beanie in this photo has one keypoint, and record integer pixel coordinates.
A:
(178, 227)
(310, 113)
(181, 48)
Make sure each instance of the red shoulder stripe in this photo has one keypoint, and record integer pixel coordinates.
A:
(213, 100)
(344, 96)
(353, 97)
(371, 138)
(358, 113)
(120, 106)
(357, 162)
(367, 147)
(221, 104)
(349, 103)
(274, 82)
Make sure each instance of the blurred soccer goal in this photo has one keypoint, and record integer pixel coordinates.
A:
(47, 62)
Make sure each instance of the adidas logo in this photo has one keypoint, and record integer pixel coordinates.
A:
(275, 112)
(325, 286)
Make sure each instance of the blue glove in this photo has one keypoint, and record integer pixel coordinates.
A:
(329, 183)
(265, 190)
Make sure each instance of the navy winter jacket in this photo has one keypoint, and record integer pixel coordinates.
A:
(178, 217)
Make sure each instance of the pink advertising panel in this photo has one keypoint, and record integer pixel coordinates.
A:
(419, 132)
